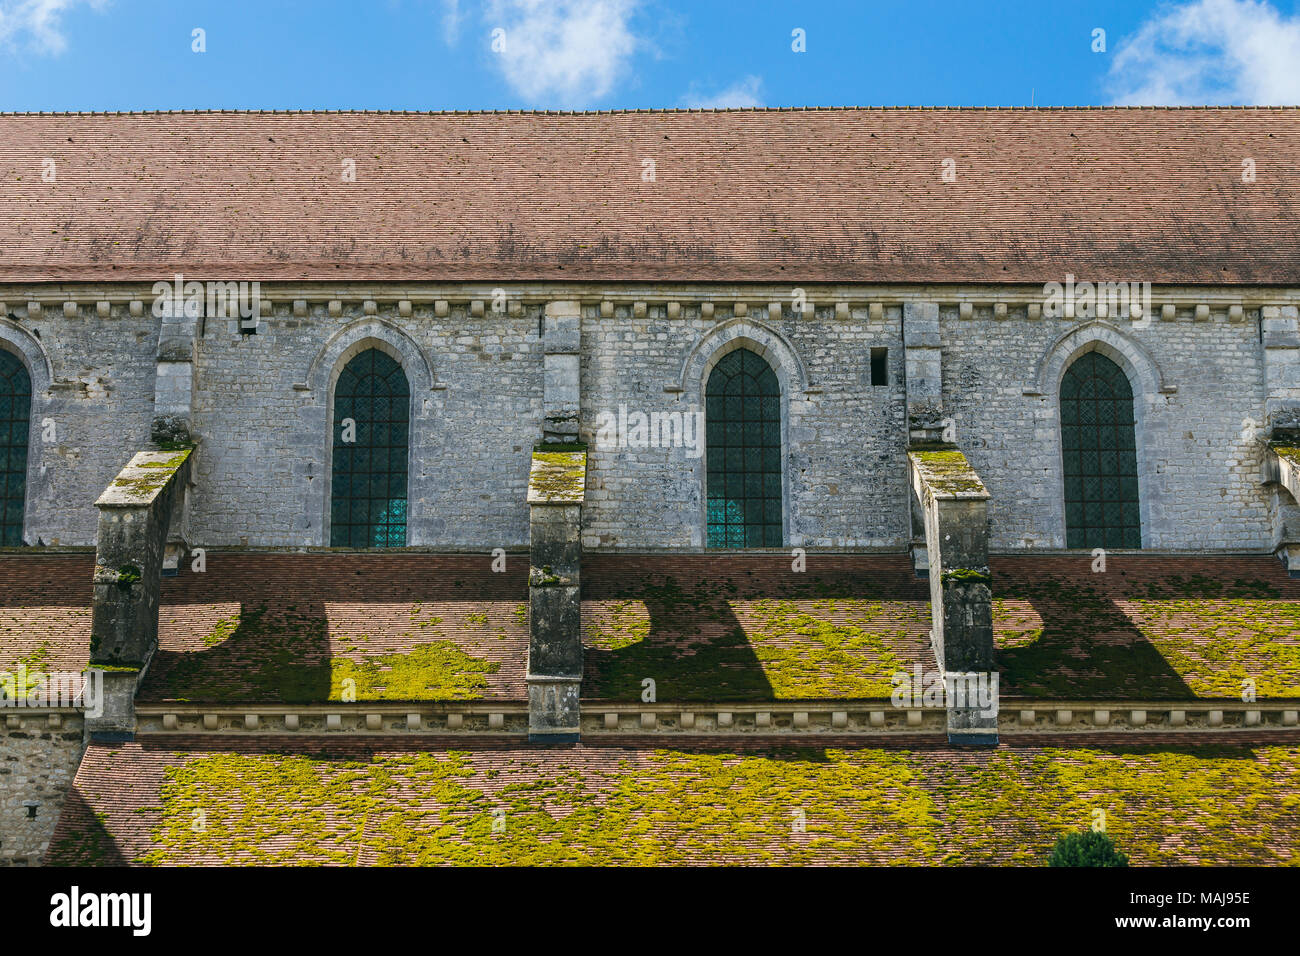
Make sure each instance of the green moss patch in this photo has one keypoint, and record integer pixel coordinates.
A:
(557, 476)
(437, 671)
(33, 675)
(1176, 637)
(945, 470)
(145, 475)
(286, 656)
(127, 575)
(1190, 805)
(1285, 442)
(710, 641)
(553, 447)
(38, 657)
(966, 576)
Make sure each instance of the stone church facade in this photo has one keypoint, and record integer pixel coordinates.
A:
(924, 332)
(462, 307)
(1205, 393)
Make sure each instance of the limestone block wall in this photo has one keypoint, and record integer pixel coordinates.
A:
(37, 764)
(99, 399)
(845, 471)
(1199, 446)
(261, 409)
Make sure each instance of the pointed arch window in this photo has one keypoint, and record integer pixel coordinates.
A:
(743, 453)
(15, 422)
(1099, 448)
(372, 414)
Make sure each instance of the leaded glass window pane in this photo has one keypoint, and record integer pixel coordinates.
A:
(743, 466)
(368, 485)
(1099, 454)
(15, 412)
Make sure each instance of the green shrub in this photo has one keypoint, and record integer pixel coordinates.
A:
(1089, 848)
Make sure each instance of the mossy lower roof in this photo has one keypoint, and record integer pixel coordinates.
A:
(1147, 626)
(260, 627)
(283, 627)
(1172, 800)
(713, 628)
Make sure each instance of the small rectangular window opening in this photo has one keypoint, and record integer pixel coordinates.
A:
(880, 366)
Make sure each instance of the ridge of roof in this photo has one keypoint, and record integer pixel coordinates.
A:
(655, 109)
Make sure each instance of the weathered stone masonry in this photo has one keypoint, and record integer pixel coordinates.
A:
(39, 755)
(953, 503)
(1208, 383)
(135, 516)
(555, 492)
(1213, 382)
(1201, 396)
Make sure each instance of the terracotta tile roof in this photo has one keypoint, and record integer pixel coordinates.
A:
(1173, 799)
(269, 627)
(1149, 627)
(710, 627)
(262, 627)
(834, 195)
(45, 605)
(719, 627)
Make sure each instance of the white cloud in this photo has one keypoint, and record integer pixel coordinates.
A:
(742, 93)
(570, 52)
(1210, 52)
(451, 21)
(37, 23)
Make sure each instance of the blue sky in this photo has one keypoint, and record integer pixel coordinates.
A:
(603, 54)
